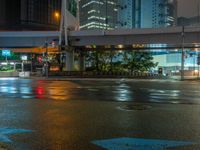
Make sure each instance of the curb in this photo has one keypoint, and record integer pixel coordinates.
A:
(4, 146)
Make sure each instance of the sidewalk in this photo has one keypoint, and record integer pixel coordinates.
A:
(71, 78)
(94, 79)
(4, 147)
(185, 78)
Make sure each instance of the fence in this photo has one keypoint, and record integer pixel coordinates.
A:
(90, 74)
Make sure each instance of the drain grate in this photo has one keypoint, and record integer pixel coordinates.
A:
(131, 107)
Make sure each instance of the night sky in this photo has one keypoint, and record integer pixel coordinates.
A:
(188, 8)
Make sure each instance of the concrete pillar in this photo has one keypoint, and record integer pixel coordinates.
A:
(69, 60)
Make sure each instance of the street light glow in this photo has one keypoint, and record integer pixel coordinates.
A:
(57, 15)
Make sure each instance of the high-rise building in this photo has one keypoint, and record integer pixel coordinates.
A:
(192, 21)
(29, 14)
(146, 13)
(40, 13)
(9, 13)
(98, 14)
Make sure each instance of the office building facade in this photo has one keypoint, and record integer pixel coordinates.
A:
(29, 14)
(98, 14)
(146, 13)
(9, 13)
(192, 21)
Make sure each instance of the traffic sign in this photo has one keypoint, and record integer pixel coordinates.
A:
(6, 53)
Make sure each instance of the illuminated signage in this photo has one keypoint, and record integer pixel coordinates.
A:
(24, 57)
(6, 53)
(73, 7)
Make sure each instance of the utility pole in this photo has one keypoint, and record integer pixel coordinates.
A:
(198, 56)
(182, 53)
(198, 62)
(198, 11)
(47, 65)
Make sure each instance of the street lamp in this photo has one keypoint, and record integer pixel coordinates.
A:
(46, 61)
(57, 16)
(182, 53)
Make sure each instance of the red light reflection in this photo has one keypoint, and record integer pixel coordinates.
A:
(40, 92)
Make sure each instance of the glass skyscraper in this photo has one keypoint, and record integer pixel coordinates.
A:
(146, 13)
(110, 14)
(98, 14)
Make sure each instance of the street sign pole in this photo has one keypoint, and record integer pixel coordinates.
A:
(47, 65)
(6, 54)
(198, 63)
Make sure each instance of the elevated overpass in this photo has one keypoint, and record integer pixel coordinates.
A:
(99, 39)
(27, 39)
(172, 37)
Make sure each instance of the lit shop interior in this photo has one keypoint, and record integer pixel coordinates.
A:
(12, 61)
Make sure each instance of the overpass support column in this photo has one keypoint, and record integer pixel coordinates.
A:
(69, 60)
(183, 53)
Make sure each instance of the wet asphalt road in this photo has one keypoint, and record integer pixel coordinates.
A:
(70, 114)
(104, 90)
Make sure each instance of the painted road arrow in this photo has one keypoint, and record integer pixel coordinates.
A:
(5, 132)
(139, 144)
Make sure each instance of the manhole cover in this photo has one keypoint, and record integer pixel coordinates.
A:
(131, 107)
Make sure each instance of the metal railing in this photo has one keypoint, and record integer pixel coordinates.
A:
(95, 74)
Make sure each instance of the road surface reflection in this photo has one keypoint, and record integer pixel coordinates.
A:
(138, 91)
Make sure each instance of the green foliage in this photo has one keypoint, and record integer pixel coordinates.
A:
(113, 61)
(102, 60)
(138, 61)
(14, 56)
(6, 67)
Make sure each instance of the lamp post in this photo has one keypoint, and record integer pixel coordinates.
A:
(46, 55)
(6, 53)
(198, 63)
(182, 53)
(57, 17)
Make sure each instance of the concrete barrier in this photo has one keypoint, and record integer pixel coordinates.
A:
(24, 74)
(8, 74)
(94, 74)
